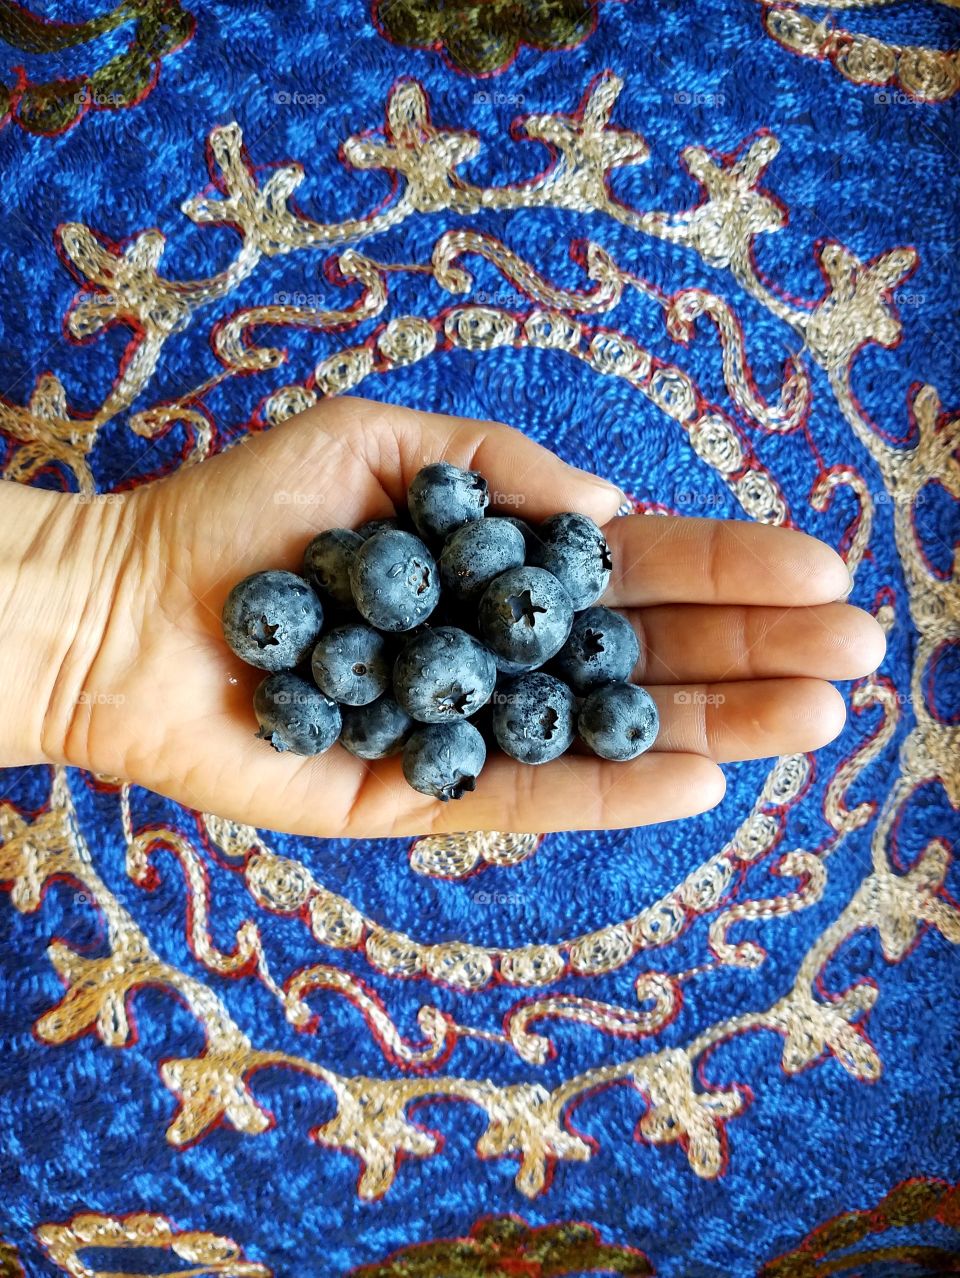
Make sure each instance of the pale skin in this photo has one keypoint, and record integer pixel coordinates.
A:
(113, 660)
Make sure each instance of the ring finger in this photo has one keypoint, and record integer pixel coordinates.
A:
(752, 719)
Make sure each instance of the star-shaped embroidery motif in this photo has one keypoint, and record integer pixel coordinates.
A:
(210, 1088)
(426, 156)
(857, 307)
(128, 281)
(677, 1113)
(811, 1028)
(735, 208)
(261, 212)
(904, 903)
(371, 1123)
(45, 426)
(588, 144)
(524, 1123)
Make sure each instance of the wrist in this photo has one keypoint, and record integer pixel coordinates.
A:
(58, 557)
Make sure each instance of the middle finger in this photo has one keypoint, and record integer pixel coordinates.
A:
(704, 643)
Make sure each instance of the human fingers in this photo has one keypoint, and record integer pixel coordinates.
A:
(753, 719)
(525, 479)
(703, 643)
(658, 560)
(574, 792)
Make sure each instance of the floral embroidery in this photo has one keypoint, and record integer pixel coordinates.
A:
(161, 27)
(855, 1241)
(507, 1245)
(525, 1120)
(482, 37)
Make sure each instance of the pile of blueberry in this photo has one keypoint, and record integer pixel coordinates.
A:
(429, 628)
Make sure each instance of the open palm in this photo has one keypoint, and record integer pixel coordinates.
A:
(739, 629)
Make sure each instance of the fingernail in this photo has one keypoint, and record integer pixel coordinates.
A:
(598, 479)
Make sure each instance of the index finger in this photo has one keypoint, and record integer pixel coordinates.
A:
(673, 559)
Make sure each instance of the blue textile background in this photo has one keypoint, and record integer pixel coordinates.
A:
(82, 1125)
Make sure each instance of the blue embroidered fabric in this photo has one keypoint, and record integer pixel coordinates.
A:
(778, 1100)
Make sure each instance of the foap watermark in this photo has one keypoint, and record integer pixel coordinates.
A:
(507, 499)
(98, 98)
(292, 698)
(498, 98)
(286, 498)
(500, 698)
(899, 499)
(297, 299)
(684, 698)
(904, 297)
(100, 698)
(683, 98)
(498, 898)
(297, 98)
(689, 498)
(99, 499)
(503, 297)
(894, 97)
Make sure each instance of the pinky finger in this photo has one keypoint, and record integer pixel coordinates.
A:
(578, 792)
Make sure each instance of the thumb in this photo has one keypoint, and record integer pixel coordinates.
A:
(525, 479)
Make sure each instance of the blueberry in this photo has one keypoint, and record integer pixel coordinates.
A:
(602, 648)
(510, 669)
(375, 731)
(534, 718)
(478, 552)
(372, 526)
(573, 548)
(525, 616)
(443, 497)
(442, 675)
(272, 619)
(521, 525)
(444, 759)
(294, 715)
(351, 665)
(395, 580)
(619, 721)
(326, 562)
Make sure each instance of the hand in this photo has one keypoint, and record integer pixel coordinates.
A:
(738, 622)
